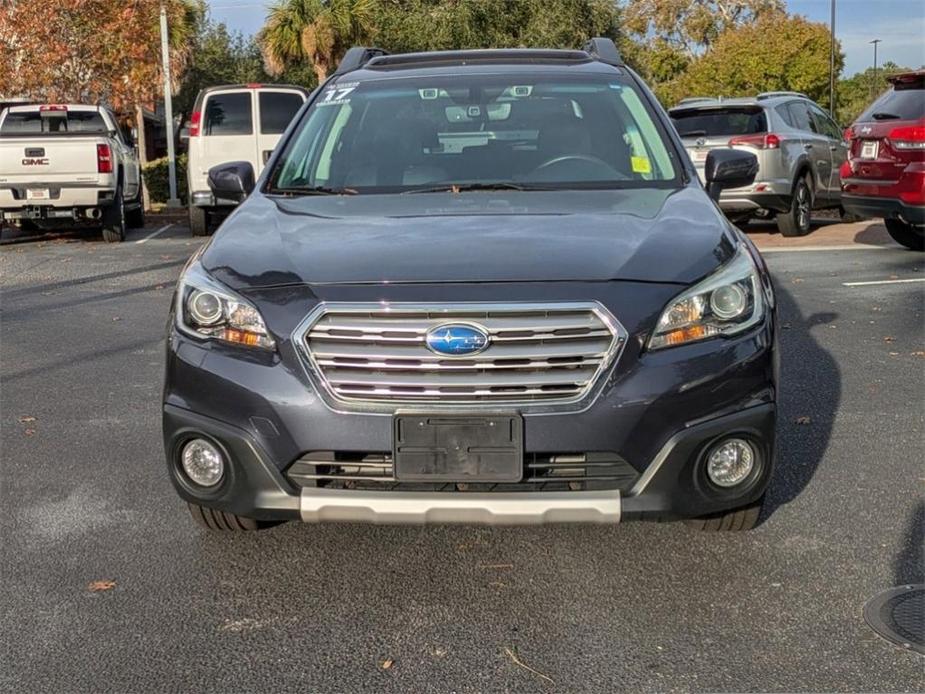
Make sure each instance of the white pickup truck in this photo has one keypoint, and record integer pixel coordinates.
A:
(68, 165)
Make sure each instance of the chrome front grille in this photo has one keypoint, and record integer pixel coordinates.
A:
(536, 354)
(542, 472)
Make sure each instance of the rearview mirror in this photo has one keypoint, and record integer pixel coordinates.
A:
(729, 168)
(184, 135)
(232, 181)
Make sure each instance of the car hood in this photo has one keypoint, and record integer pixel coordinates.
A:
(652, 235)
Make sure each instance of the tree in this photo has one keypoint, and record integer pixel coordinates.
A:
(692, 25)
(663, 37)
(420, 25)
(778, 52)
(317, 32)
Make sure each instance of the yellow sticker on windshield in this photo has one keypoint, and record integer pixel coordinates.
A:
(641, 165)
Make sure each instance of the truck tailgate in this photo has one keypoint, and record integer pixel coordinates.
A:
(49, 159)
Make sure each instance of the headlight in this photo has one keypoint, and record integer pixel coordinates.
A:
(727, 302)
(207, 310)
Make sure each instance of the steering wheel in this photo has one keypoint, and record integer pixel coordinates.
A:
(601, 168)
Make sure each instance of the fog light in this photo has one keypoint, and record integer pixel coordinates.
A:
(731, 462)
(202, 463)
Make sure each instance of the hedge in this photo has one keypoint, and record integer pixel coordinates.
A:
(155, 174)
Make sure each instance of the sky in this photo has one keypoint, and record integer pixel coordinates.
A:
(900, 24)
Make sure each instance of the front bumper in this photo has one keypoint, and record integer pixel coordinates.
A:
(660, 412)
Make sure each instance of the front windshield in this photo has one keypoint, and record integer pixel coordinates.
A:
(406, 134)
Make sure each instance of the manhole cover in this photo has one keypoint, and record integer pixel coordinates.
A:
(898, 615)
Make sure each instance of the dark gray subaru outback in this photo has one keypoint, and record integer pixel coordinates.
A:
(476, 286)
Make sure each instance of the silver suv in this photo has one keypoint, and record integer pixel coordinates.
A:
(799, 148)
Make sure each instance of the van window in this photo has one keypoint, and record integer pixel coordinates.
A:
(277, 110)
(229, 114)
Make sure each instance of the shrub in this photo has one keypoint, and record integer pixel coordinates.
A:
(156, 178)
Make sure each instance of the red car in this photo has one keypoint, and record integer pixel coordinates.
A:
(884, 175)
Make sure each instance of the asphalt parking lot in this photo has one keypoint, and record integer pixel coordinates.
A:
(108, 586)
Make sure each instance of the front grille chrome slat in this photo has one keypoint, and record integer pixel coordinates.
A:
(536, 354)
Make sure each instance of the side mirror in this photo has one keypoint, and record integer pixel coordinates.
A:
(729, 168)
(133, 133)
(184, 135)
(234, 180)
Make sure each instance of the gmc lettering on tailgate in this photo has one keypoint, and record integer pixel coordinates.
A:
(35, 161)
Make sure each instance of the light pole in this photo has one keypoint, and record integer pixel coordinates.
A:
(173, 201)
(832, 63)
(874, 83)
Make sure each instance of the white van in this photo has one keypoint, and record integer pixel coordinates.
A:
(221, 129)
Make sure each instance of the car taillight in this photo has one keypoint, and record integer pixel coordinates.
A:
(908, 137)
(845, 170)
(103, 159)
(848, 134)
(767, 141)
(194, 120)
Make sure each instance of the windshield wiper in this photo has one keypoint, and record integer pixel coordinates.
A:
(312, 190)
(694, 133)
(464, 187)
(880, 115)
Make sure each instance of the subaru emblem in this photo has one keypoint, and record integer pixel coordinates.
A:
(457, 339)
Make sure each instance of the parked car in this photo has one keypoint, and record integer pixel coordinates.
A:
(475, 286)
(222, 129)
(885, 173)
(66, 165)
(799, 150)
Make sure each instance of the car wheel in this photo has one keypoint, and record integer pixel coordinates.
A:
(907, 235)
(198, 221)
(744, 518)
(213, 519)
(114, 219)
(796, 221)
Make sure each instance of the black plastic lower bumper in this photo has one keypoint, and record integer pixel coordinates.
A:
(887, 208)
(673, 485)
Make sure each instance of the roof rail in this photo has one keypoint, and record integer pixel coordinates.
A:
(357, 57)
(603, 50)
(771, 95)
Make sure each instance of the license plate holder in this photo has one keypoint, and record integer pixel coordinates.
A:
(869, 149)
(37, 194)
(428, 447)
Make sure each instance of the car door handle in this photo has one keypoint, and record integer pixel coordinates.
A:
(807, 146)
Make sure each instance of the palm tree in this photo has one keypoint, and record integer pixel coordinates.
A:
(314, 31)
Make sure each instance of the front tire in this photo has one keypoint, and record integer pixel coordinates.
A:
(796, 220)
(222, 521)
(737, 520)
(114, 219)
(198, 221)
(905, 234)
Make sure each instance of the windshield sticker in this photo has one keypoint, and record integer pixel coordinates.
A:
(641, 165)
(335, 96)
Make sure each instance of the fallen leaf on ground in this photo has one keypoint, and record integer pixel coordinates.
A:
(889, 338)
(917, 354)
(115, 318)
(26, 418)
(29, 432)
(100, 586)
(803, 420)
(519, 663)
(797, 280)
(386, 663)
(894, 354)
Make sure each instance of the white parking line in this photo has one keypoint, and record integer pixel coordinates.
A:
(155, 233)
(867, 284)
